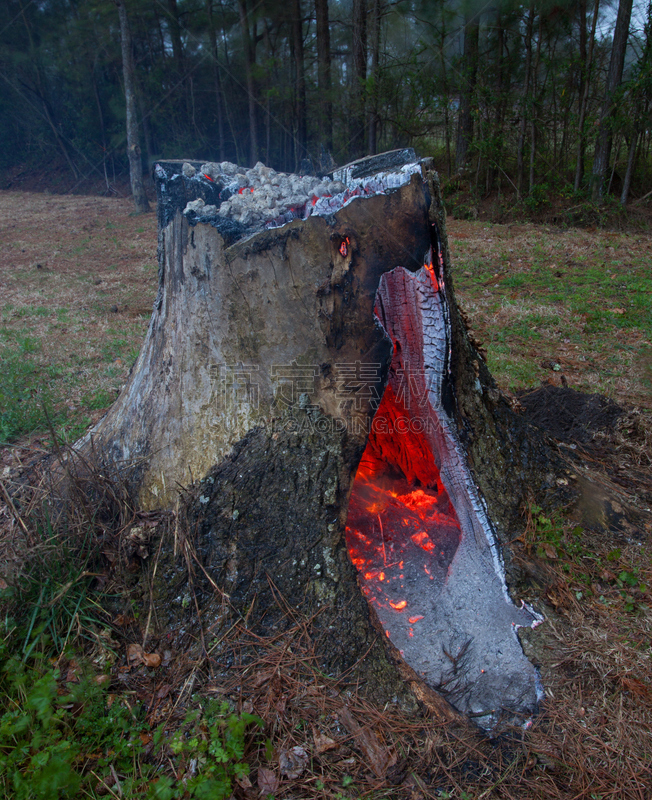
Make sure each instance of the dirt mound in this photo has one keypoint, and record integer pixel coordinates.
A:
(568, 415)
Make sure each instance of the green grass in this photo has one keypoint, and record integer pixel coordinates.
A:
(547, 296)
(64, 731)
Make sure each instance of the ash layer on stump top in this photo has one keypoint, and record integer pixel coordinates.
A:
(270, 349)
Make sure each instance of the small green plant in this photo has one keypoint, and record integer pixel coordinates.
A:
(550, 538)
(214, 738)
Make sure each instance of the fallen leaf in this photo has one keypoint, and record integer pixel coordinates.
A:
(617, 310)
(164, 691)
(151, 659)
(549, 550)
(323, 743)
(379, 757)
(135, 654)
(635, 686)
(293, 762)
(243, 782)
(267, 781)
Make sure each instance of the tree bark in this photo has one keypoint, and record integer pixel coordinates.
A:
(533, 121)
(250, 60)
(133, 147)
(614, 77)
(217, 82)
(520, 154)
(358, 140)
(469, 74)
(243, 386)
(372, 123)
(300, 84)
(587, 65)
(325, 105)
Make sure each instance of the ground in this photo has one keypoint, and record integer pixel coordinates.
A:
(565, 307)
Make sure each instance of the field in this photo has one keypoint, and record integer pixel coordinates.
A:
(567, 307)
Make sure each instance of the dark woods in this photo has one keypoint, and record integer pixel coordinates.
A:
(519, 98)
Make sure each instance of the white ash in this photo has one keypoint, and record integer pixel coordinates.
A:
(262, 197)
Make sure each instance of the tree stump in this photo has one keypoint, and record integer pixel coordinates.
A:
(347, 447)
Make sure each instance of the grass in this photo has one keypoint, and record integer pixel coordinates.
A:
(540, 295)
(63, 352)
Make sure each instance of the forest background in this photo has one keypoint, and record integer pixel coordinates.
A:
(527, 101)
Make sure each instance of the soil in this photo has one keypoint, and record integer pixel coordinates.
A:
(568, 415)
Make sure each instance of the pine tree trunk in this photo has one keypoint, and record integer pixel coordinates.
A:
(614, 77)
(325, 109)
(250, 60)
(300, 88)
(358, 138)
(469, 74)
(133, 147)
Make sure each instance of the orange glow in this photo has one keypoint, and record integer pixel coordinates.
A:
(344, 247)
(402, 531)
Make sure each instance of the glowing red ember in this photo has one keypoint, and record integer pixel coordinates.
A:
(402, 531)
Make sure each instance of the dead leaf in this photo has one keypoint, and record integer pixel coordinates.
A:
(636, 687)
(243, 782)
(323, 743)
(267, 781)
(379, 757)
(135, 654)
(151, 659)
(549, 550)
(164, 691)
(293, 762)
(617, 310)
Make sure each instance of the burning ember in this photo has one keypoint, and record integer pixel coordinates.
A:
(402, 532)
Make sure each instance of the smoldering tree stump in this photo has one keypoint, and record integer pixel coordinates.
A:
(276, 360)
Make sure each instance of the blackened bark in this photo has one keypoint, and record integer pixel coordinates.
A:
(469, 74)
(614, 77)
(133, 147)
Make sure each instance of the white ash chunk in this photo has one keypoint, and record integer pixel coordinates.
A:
(260, 196)
(194, 205)
(188, 170)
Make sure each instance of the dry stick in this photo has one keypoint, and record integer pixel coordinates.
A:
(640, 199)
(151, 592)
(14, 510)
